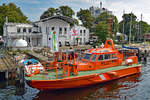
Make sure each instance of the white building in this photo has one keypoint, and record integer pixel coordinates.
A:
(14, 31)
(96, 11)
(38, 33)
(60, 23)
(82, 35)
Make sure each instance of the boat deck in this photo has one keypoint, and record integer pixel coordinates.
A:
(51, 75)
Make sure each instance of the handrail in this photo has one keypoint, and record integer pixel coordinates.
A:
(62, 68)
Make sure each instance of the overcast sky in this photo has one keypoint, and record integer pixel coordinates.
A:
(34, 8)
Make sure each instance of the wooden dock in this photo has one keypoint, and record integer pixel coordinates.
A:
(39, 56)
(44, 55)
(8, 66)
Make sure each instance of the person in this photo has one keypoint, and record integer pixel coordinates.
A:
(145, 55)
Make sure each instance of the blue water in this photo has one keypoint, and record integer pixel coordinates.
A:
(135, 87)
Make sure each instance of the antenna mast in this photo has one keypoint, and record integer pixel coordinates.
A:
(110, 22)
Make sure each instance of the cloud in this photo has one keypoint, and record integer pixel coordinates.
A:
(37, 7)
(138, 7)
(29, 1)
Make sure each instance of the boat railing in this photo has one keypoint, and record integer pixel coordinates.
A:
(62, 66)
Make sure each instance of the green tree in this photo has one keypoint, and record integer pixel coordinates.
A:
(137, 28)
(48, 13)
(62, 10)
(86, 18)
(105, 17)
(66, 11)
(76, 21)
(101, 30)
(144, 27)
(124, 25)
(148, 29)
(13, 13)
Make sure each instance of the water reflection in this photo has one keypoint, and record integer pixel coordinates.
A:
(112, 90)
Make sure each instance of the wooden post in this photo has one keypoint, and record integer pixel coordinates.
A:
(6, 75)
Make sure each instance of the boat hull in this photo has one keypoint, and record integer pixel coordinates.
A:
(82, 81)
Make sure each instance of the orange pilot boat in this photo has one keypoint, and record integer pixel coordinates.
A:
(97, 65)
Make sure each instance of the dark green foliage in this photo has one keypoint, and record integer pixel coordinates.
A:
(137, 28)
(48, 13)
(86, 18)
(101, 26)
(13, 13)
(66, 11)
(76, 21)
(62, 10)
(101, 30)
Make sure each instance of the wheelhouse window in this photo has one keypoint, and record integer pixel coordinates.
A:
(100, 57)
(87, 56)
(107, 56)
(114, 56)
(94, 57)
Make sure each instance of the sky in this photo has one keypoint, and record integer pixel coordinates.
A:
(34, 8)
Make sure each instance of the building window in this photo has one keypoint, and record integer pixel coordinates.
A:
(40, 29)
(18, 30)
(30, 30)
(80, 40)
(53, 28)
(84, 40)
(29, 40)
(65, 30)
(60, 30)
(80, 32)
(84, 32)
(24, 29)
